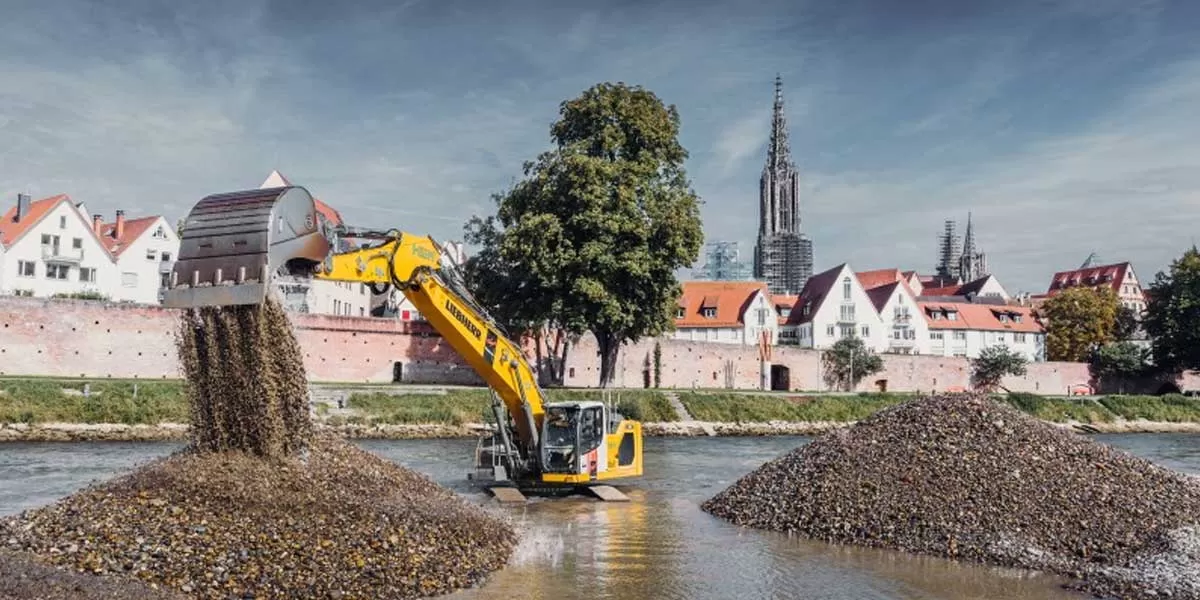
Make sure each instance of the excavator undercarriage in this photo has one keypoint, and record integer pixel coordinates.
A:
(242, 247)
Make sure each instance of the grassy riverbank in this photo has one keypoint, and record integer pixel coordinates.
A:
(150, 402)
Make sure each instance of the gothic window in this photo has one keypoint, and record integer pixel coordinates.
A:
(846, 288)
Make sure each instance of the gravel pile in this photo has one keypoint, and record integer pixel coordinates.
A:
(259, 505)
(965, 477)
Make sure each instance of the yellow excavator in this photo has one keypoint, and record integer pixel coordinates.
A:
(236, 248)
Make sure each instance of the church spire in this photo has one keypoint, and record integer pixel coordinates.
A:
(968, 248)
(779, 154)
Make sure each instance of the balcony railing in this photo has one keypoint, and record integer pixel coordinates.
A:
(60, 254)
(902, 343)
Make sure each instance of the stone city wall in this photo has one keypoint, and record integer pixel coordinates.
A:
(79, 338)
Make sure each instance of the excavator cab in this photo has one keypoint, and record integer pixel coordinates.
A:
(232, 246)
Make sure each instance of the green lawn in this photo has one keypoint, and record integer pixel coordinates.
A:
(42, 400)
(46, 400)
(747, 408)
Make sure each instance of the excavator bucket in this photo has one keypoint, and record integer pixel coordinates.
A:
(233, 245)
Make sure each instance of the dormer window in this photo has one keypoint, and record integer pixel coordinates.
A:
(1017, 318)
(952, 315)
(709, 313)
(785, 311)
(678, 312)
(160, 233)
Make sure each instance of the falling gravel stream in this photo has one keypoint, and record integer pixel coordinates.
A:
(658, 546)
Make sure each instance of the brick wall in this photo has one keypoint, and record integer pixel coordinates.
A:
(711, 365)
(77, 338)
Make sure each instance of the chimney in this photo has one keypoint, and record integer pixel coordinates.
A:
(22, 206)
(119, 230)
(97, 223)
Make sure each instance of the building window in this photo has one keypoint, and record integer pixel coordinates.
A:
(679, 312)
(164, 280)
(77, 243)
(762, 317)
(847, 331)
(160, 233)
(1019, 338)
(829, 331)
(151, 255)
(866, 331)
(62, 222)
(87, 274)
(25, 268)
(1017, 318)
(710, 313)
(785, 311)
(846, 288)
(129, 279)
(54, 271)
(166, 257)
(937, 335)
(960, 336)
(952, 315)
(847, 312)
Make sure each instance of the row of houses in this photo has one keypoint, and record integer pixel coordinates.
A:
(51, 247)
(892, 311)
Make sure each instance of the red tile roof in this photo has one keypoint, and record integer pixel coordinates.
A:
(331, 215)
(730, 298)
(11, 230)
(1105, 275)
(134, 228)
(950, 290)
(982, 317)
(878, 277)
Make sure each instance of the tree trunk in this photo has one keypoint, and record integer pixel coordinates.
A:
(609, 344)
(543, 376)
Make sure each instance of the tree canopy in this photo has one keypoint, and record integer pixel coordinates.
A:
(994, 363)
(1173, 315)
(1077, 321)
(848, 361)
(1118, 361)
(591, 238)
(1126, 325)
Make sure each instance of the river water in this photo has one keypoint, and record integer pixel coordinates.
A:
(660, 545)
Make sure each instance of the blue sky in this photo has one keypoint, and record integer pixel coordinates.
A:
(1064, 127)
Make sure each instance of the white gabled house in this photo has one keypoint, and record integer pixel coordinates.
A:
(963, 329)
(50, 249)
(144, 250)
(833, 305)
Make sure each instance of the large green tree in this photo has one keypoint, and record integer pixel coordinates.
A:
(1077, 321)
(592, 236)
(994, 363)
(848, 361)
(1173, 315)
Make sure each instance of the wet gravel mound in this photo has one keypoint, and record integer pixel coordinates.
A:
(338, 522)
(22, 576)
(965, 477)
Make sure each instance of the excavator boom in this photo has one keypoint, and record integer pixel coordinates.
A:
(234, 247)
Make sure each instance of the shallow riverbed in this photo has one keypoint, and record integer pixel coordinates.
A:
(660, 545)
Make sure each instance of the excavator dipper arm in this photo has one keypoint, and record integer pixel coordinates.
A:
(416, 267)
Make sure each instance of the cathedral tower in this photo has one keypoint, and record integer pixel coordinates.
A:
(783, 255)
